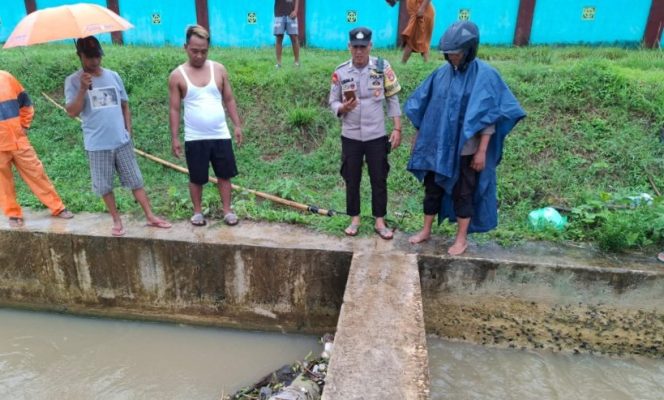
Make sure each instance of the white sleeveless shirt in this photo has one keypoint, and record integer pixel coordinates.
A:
(204, 115)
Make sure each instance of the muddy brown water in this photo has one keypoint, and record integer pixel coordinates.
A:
(462, 371)
(50, 356)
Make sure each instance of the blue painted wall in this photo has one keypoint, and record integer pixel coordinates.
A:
(495, 19)
(241, 23)
(328, 28)
(9, 17)
(104, 37)
(157, 22)
(554, 21)
(560, 21)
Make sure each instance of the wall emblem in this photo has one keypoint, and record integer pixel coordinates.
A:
(156, 19)
(588, 14)
(252, 18)
(464, 14)
(351, 16)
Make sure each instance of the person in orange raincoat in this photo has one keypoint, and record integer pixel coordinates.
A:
(16, 113)
(417, 34)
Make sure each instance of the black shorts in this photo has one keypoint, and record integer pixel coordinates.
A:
(462, 194)
(201, 153)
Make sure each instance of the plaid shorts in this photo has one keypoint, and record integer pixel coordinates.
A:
(103, 164)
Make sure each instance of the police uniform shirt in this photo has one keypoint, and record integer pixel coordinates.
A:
(371, 86)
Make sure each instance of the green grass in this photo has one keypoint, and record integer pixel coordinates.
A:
(591, 138)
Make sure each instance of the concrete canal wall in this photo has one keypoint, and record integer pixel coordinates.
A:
(546, 298)
(380, 297)
(206, 277)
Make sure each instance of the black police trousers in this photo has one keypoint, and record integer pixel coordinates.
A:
(353, 154)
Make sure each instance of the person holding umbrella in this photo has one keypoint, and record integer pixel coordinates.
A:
(16, 113)
(98, 95)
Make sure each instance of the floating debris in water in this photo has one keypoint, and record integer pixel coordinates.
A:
(302, 380)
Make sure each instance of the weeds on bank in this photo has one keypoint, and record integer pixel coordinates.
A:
(592, 136)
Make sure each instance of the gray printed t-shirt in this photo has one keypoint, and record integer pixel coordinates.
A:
(103, 123)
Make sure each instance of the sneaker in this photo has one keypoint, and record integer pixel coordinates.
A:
(297, 64)
(277, 66)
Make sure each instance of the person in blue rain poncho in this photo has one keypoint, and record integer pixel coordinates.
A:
(462, 113)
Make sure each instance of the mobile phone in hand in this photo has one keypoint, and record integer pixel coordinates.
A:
(349, 95)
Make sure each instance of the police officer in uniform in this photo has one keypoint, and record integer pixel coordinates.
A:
(360, 88)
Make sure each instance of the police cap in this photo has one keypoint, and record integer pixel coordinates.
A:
(360, 36)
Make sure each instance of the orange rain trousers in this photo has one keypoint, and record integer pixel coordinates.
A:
(32, 171)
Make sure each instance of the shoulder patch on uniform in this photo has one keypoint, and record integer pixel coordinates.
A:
(392, 85)
(335, 78)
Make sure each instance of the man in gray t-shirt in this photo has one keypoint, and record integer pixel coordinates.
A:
(102, 115)
(99, 97)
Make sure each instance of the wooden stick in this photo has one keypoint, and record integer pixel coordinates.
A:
(654, 187)
(267, 196)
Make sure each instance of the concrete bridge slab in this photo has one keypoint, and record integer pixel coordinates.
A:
(380, 347)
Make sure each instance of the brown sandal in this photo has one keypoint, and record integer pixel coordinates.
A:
(352, 229)
(385, 233)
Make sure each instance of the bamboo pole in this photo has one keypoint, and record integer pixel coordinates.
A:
(267, 196)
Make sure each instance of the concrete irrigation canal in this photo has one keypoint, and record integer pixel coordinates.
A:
(380, 298)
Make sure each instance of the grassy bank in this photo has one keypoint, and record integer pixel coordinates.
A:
(591, 139)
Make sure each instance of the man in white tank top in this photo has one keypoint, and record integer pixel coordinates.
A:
(204, 88)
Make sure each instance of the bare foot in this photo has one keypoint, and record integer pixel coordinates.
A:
(421, 237)
(457, 248)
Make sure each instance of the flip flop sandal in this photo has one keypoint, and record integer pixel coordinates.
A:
(352, 229)
(117, 232)
(385, 233)
(230, 219)
(16, 222)
(660, 257)
(198, 220)
(159, 224)
(65, 214)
